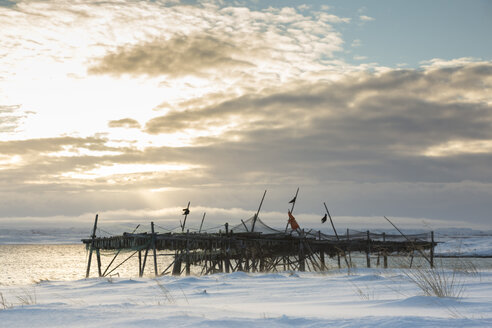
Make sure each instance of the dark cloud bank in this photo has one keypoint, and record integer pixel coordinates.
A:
(179, 56)
(361, 144)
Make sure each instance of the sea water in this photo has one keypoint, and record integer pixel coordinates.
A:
(26, 264)
(31, 263)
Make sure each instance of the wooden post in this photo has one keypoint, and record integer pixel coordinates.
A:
(144, 260)
(322, 260)
(385, 254)
(187, 253)
(432, 250)
(302, 261)
(91, 247)
(244, 224)
(187, 210)
(348, 248)
(98, 257)
(257, 212)
(201, 224)
(368, 250)
(153, 248)
(331, 221)
(177, 265)
(140, 263)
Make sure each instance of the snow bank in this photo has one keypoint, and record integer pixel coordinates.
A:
(367, 297)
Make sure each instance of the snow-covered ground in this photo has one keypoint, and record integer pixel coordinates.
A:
(465, 245)
(365, 298)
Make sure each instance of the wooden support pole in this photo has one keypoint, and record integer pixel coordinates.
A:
(201, 224)
(110, 263)
(244, 224)
(322, 260)
(258, 212)
(154, 249)
(165, 271)
(187, 210)
(368, 250)
(177, 265)
(349, 262)
(140, 263)
(116, 267)
(98, 257)
(331, 221)
(432, 250)
(302, 260)
(91, 247)
(187, 253)
(385, 253)
(144, 260)
(415, 248)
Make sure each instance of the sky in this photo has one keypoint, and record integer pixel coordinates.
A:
(130, 109)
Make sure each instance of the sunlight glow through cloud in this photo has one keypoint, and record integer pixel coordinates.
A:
(121, 102)
(121, 169)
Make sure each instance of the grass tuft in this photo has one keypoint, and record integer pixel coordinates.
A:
(437, 281)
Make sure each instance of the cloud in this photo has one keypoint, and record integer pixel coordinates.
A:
(254, 100)
(11, 118)
(426, 107)
(179, 56)
(375, 139)
(441, 63)
(365, 18)
(362, 143)
(127, 123)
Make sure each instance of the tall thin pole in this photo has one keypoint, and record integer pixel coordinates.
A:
(292, 208)
(336, 235)
(258, 212)
(153, 248)
(93, 236)
(331, 221)
(186, 215)
(294, 202)
(201, 224)
(418, 249)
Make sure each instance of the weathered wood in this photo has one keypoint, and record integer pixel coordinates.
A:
(258, 212)
(201, 224)
(154, 249)
(187, 258)
(418, 249)
(331, 221)
(244, 224)
(251, 252)
(98, 257)
(91, 247)
(140, 263)
(144, 260)
(432, 250)
(186, 215)
(385, 254)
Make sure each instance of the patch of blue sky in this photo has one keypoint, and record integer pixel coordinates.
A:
(403, 33)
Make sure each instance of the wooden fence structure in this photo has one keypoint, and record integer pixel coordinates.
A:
(242, 248)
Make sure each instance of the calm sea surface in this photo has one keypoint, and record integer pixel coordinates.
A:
(27, 264)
